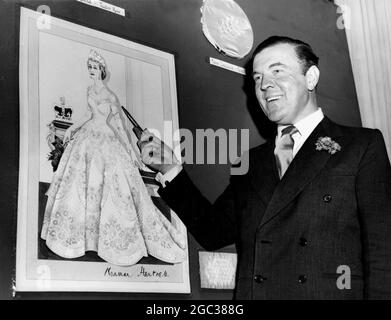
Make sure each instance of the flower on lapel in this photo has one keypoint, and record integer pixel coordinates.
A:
(325, 143)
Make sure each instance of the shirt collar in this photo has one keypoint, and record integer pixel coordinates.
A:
(306, 125)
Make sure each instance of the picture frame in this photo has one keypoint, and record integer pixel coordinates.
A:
(53, 53)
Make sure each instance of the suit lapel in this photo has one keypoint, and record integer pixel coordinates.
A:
(265, 176)
(302, 170)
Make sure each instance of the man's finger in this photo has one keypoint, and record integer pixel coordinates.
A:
(145, 156)
(154, 142)
(150, 155)
(146, 136)
(150, 148)
(150, 144)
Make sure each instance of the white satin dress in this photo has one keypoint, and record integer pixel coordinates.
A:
(98, 201)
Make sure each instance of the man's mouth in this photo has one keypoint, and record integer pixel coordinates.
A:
(273, 98)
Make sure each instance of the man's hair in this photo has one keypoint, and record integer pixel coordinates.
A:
(304, 52)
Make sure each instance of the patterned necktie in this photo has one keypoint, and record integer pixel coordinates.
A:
(284, 149)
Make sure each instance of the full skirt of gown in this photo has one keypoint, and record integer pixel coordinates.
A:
(97, 201)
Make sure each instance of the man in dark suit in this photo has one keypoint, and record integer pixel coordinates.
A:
(315, 201)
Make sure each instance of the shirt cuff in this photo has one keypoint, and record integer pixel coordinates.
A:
(163, 179)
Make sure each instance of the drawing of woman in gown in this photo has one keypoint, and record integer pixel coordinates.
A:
(97, 200)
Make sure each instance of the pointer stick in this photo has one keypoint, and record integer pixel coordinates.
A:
(136, 127)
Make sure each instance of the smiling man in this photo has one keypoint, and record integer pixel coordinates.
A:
(285, 85)
(315, 203)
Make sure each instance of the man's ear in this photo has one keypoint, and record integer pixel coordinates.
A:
(312, 77)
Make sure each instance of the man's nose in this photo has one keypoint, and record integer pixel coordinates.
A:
(266, 83)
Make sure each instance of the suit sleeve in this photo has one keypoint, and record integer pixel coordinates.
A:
(373, 187)
(213, 226)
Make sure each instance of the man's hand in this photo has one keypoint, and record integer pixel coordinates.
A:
(156, 154)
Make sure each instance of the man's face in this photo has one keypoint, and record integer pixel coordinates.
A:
(280, 85)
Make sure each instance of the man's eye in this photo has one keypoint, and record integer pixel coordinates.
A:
(276, 71)
(257, 78)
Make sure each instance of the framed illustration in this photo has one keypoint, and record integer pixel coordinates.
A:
(89, 216)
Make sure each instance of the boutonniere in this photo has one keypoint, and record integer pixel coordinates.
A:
(325, 143)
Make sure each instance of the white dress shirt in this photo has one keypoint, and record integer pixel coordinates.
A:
(304, 129)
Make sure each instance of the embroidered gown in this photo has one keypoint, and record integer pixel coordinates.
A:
(98, 201)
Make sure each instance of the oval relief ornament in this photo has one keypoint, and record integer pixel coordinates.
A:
(227, 27)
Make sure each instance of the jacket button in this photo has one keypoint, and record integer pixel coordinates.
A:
(327, 198)
(259, 278)
(302, 278)
(303, 242)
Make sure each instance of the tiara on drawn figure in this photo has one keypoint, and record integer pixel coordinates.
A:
(95, 56)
